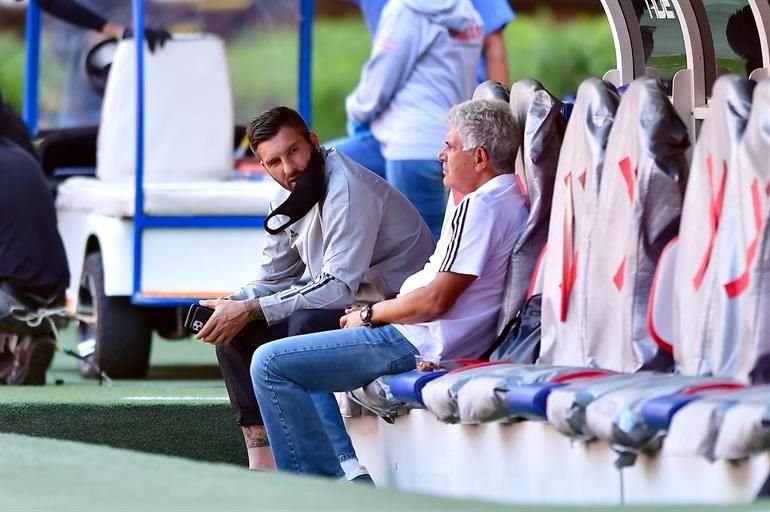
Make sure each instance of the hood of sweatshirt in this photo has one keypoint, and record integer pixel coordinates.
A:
(456, 15)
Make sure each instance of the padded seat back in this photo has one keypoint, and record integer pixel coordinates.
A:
(741, 327)
(491, 90)
(539, 114)
(188, 113)
(575, 196)
(640, 200)
(694, 283)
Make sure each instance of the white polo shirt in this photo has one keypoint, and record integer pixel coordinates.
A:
(477, 238)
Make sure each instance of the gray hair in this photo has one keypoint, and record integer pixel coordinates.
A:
(488, 123)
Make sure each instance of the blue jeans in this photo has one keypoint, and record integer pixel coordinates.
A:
(364, 150)
(235, 358)
(422, 182)
(286, 373)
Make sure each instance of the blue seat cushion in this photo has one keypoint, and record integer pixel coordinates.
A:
(529, 400)
(658, 412)
(407, 387)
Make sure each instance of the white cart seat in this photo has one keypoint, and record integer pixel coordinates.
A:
(199, 198)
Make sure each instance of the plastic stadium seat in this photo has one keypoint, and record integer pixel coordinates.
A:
(740, 322)
(616, 416)
(530, 400)
(695, 286)
(659, 411)
(695, 428)
(572, 216)
(638, 211)
(407, 387)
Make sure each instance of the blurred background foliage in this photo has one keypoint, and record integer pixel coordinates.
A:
(559, 53)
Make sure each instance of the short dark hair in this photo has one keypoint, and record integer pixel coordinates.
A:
(743, 37)
(269, 123)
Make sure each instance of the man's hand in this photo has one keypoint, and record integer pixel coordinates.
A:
(230, 316)
(155, 37)
(352, 318)
(358, 129)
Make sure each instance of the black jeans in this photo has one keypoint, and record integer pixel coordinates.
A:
(235, 357)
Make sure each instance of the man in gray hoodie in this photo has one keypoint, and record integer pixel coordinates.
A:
(423, 61)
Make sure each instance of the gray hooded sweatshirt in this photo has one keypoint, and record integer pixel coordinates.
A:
(423, 62)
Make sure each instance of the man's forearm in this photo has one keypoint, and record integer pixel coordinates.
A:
(254, 309)
(496, 58)
(414, 307)
(423, 304)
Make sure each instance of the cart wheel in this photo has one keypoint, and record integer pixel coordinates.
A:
(111, 331)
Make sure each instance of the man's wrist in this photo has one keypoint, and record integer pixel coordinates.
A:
(366, 313)
(113, 30)
(253, 309)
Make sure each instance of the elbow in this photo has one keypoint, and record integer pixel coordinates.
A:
(437, 304)
(347, 295)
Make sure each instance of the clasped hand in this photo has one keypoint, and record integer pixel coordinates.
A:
(230, 316)
(352, 318)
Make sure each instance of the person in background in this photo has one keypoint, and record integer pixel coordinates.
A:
(356, 237)
(495, 14)
(80, 105)
(743, 38)
(33, 265)
(423, 61)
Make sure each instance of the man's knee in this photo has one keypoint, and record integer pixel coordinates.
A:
(225, 352)
(262, 364)
(306, 321)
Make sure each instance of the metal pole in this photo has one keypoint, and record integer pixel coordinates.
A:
(138, 6)
(305, 86)
(32, 69)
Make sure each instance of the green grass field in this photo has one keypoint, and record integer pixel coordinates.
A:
(160, 444)
(181, 410)
(42, 474)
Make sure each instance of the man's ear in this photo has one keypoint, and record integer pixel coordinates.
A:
(480, 158)
(314, 140)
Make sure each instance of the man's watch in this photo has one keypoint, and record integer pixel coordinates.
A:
(366, 315)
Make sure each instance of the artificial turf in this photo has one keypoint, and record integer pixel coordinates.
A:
(44, 474)
(181, 409)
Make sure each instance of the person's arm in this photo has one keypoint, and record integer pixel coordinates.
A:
(496, 57)
(280, 267)
(421, 305)
(78, 15)
(394, 53)
(496, 14)
(350, 225)
(473, 233)
(351, 219)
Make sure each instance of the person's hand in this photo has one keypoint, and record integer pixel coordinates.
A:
(155, 37)
(357, 129)
(352, 318)
(230, 316)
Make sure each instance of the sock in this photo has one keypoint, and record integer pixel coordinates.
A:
(352, 468)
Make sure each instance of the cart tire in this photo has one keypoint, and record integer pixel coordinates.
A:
(117, 331)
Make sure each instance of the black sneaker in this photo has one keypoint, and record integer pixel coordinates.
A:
(363, 478)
